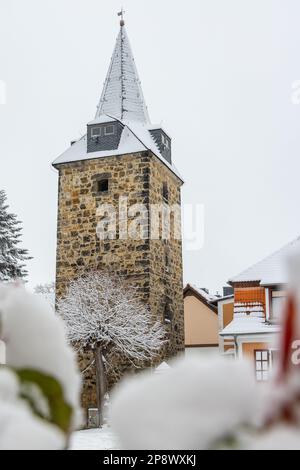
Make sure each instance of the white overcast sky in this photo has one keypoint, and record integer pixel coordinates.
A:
(218, 73)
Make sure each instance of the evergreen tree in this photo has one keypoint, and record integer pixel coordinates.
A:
(11, 256)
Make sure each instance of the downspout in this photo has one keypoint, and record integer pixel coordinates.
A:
(267, 302)
(236, 346)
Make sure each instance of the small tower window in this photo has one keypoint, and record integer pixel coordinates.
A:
(96, 132)
(102, 185)
(167, 314)
(167, 261)
(165, 192)
(109, 130)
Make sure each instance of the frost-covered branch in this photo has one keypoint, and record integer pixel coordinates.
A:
(99, 309)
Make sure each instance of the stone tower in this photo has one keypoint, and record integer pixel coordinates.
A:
(122, 157)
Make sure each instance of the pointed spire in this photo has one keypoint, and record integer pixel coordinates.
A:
(122, 95)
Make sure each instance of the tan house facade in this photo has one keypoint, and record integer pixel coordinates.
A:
(201, 327)
(225, 306)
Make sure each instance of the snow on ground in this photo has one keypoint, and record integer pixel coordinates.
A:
(280, 438)
(94, 439)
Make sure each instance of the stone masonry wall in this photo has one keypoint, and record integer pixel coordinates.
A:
(139, 177)
(166, 283)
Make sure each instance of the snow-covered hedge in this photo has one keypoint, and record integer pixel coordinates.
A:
(204, 403)
(40, 383)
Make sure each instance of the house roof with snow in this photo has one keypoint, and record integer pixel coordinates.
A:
(272, 270)
(248, 325)
(121, 124)
(201, 294)
(135, 138)
(222, 299)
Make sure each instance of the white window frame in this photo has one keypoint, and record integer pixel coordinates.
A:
(264, 358)
(109, 133)
(96, 135)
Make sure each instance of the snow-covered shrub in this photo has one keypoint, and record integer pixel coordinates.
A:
(40, 383)
(279, 437)
(193, 405)
(20, 428)
(210, 403)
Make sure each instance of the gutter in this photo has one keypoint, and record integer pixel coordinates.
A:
(234, 335)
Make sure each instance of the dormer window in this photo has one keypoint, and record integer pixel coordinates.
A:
(109, 130)
(103, 130)
(165, 141)
(96, 131)
(104, 135)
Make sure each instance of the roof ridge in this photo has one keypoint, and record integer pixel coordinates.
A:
(206, 296)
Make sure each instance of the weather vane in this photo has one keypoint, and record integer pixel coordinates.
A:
(121, 13)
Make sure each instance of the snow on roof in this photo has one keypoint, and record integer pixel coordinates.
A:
(121, 100)
(272, 269)
(218, 299)
(122, 94)
(154, 127)
(248, 325)
(78, 151)
(102, 119)
(203, 292)
(135, 138)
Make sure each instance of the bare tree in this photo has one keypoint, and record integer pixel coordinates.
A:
(104, 314)
(47, 291)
